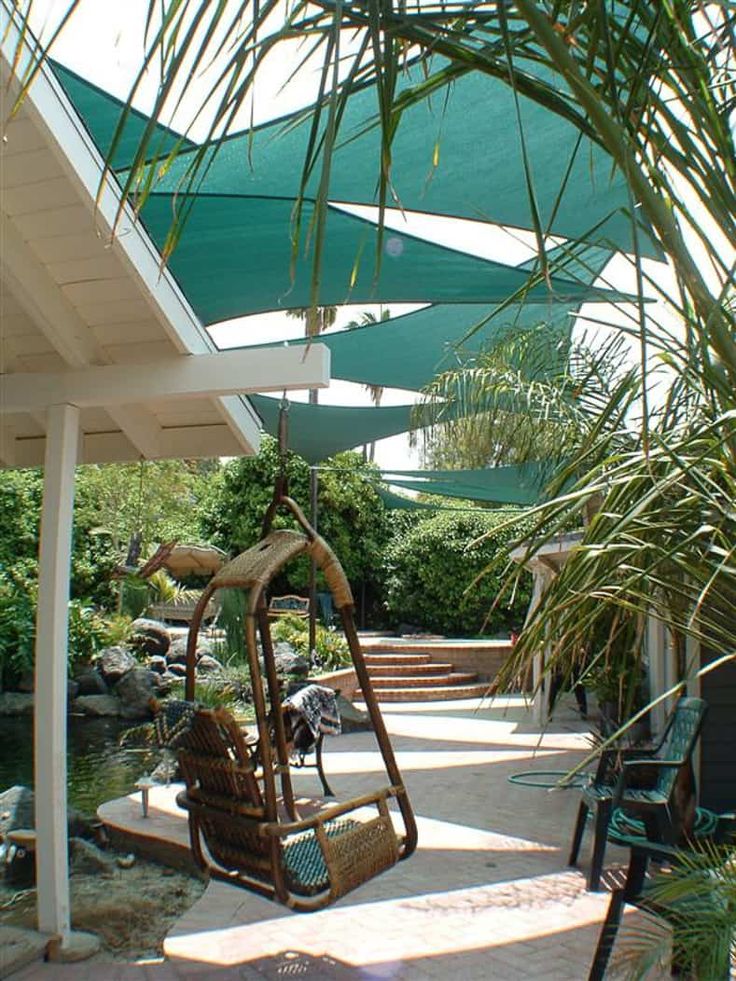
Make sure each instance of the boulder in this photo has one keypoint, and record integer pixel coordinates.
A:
(177, 653)
(97, 705)
(16, 703)
(86, 858)
(170, 677)
(150, 637)
(16, 809)
(352, 718)
(289, 662)
(114, 662)
(208, 665)
(157, 663)
(178, 670)
(135, 690)
(91, 682)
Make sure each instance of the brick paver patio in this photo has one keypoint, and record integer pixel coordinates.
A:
(487, 894)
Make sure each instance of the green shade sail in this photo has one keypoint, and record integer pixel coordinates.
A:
(100, 112)
(471, 130)
(429, 341)
(234, 257)
(399, 502)
(444, 336)
(521, 485)
(319, 431)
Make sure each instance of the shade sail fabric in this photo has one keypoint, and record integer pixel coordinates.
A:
(234, 259)
(399, 502)
(471, 127)
(319, 431)
(431, 340)
(520, 485)
(445, 336)
(101, 112)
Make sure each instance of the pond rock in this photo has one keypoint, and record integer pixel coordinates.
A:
(352, 718)
(135, 690)
(91, 682)
(17, 811)
(16, 703)
(97, 705)
(288, 661)
(86, 858)
(177, 653)
(150, 636)
(178, 670)
(114, 662)
(157, 663)
(208, 665)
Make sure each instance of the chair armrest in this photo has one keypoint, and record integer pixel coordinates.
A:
(332, 812)
(645, 762)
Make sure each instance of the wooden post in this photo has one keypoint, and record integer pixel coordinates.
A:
(52, 632)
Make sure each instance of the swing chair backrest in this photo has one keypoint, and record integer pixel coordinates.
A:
(236, 812)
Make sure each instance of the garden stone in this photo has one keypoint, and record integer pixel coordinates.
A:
(150, 636)
(16, 703)
(170, 677)
(91, 682)
(352, 718)
(177, 653)
(86, 858)
(208, 665)
(114, 662)
(178, 670)
(17, 811)
(157, 663)
(289, 662)
(135, 690)
(97, 705)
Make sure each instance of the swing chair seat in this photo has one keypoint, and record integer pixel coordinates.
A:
(241, 830)
(306, 863)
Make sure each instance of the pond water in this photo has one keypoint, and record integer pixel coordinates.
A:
(99, 767)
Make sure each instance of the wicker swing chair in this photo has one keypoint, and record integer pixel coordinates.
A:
(241, 829)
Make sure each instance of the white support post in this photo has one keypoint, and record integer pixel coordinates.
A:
(52, 631)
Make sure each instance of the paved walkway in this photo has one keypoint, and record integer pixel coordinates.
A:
(487, 894)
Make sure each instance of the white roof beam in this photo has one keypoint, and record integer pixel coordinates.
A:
(194, 376)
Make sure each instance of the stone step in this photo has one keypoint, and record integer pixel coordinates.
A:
(425, 681)
(395, 658)
(428, 694)
(399, 670)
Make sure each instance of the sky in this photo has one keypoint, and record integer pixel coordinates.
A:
(104, 41)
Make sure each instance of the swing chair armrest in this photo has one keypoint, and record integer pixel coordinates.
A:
(330, 814)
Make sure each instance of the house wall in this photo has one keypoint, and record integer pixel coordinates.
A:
(718, 742)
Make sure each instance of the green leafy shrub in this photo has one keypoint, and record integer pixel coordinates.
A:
(88, 632)
(331, 648)
(18, 591)
(432, 566)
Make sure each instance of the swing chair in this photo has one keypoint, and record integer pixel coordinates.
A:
(242, 830)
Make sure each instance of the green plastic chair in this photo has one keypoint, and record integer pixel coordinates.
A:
(676, 908)
(618, 783)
